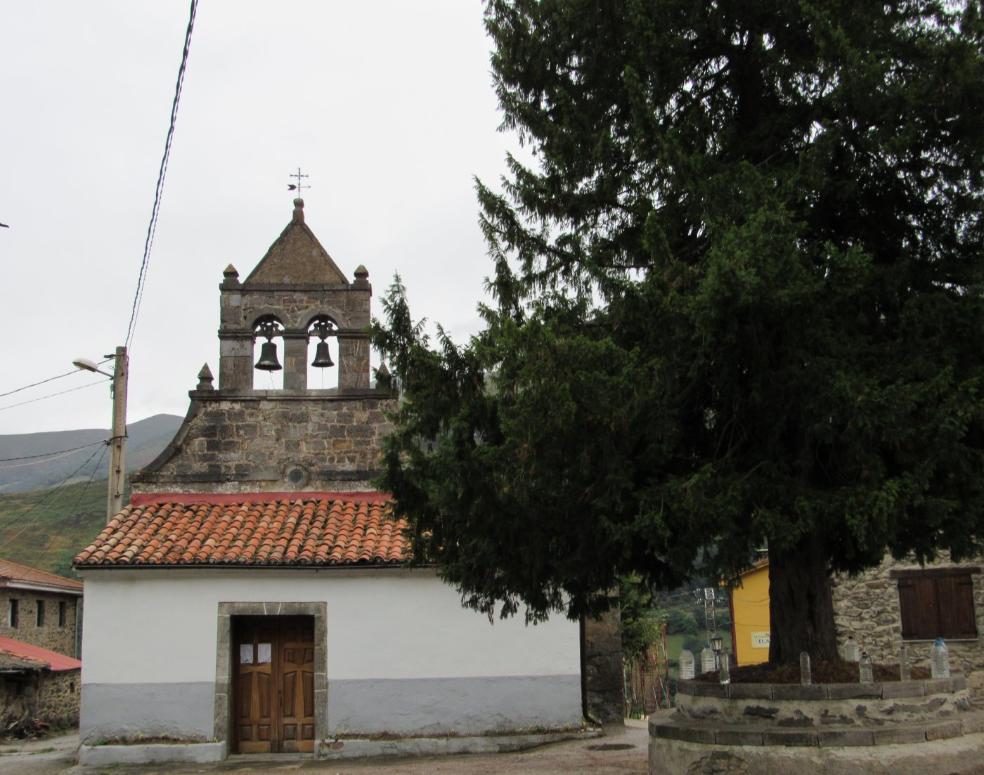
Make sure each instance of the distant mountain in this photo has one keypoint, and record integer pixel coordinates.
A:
(47, 528)
(80, 456)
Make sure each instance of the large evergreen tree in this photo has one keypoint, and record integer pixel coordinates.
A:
(738, 303)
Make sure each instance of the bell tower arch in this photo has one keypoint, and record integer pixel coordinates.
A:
(295, 284)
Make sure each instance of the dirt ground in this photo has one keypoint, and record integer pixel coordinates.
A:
(621, 752)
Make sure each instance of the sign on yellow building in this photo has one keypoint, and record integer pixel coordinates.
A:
(750, 615)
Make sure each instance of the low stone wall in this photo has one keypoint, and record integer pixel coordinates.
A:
(794, 706)
(953, 755)
(832, 728)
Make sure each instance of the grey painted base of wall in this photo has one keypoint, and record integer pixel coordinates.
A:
(106, 755)
(418, 706)
(361, 748)
(179, 710)
(463, 706)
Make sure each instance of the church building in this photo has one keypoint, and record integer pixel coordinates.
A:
(255, 597)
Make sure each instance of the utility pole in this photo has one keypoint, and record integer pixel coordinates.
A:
(117, 442)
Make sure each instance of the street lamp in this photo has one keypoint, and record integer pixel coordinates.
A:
(117, 442)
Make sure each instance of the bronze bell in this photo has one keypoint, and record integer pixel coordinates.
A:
(268, 358)
(322, 358)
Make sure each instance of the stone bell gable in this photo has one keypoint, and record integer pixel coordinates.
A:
(295, 284)
(238, 438)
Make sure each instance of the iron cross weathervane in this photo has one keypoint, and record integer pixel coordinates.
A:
(298, 186)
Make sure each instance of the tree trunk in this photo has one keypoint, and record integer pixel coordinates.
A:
(801, 606)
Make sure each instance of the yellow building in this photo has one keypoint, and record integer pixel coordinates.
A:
(750, 615)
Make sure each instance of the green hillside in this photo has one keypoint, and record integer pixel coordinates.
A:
(47, 528)
(34, 461)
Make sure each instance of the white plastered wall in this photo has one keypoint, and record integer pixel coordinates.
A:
(153, 626)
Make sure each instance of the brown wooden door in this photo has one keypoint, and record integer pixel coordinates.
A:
(274, 683)
(297, 688)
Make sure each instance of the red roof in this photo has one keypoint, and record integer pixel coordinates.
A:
(272, 529)
(26, 655)
(25, 574)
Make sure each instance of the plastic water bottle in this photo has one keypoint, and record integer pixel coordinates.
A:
(686, 664)
(865, 669)
(806, 673)
(707, 662)
(939, 660)
(851, 652)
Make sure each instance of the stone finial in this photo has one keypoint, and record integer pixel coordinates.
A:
(361, 277)
(230, 276)
(298, 216)
(205, 379)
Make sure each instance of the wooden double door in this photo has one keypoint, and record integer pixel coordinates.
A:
(274, 683)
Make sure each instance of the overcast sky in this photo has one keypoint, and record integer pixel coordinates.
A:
(388, 105)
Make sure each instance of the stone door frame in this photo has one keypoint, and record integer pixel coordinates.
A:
(222, 730)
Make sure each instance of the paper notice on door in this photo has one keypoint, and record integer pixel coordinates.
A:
(264, 653)
(245, 653)
(760, 640)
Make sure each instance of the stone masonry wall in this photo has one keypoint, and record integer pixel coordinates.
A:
(58, 698)
(603, 679)
(50, 635)
(42, 695)
(258, 443)
(867, 607)
(16, 698)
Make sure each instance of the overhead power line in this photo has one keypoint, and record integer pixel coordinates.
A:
(52, 395)
(161, 174)
(53, 454)
(49, 379)
(45, 499)
(35, 384)
(95, 469)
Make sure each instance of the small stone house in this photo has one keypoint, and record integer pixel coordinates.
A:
(255, 595)
(40, 608)
(902, 601)
(37, 684)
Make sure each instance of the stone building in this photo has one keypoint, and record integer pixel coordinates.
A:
(903, 602)
(37, 684)
(39, 608)
(255, 596)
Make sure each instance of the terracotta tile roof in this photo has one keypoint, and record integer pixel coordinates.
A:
(309, 529)
(24, 574)
(15, 654)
